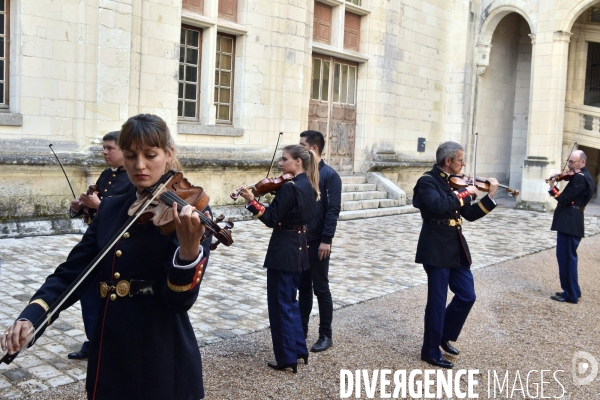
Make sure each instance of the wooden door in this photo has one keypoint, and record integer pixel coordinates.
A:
(332, 109)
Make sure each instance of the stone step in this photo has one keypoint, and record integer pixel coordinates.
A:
(376, 212)
(358, 187)
(368, 195)
(368, 204)
(354, 179)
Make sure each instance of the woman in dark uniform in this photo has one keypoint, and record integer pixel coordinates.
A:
(287, 256)
(143, 345)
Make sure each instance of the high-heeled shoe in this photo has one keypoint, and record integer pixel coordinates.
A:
(304, 357)
(279, 367)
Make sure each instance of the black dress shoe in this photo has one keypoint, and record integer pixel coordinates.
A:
(448, 348)
(562, 299)
(304, 357)
(562, 294)
(322, 344)
(440, 362)
(79, 355)
(279, 367)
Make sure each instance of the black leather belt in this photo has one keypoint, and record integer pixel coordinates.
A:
(291, 227)
(447, 222)
(124, 288)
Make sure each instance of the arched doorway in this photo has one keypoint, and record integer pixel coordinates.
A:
(502, 102)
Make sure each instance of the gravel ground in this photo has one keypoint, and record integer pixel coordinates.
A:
(514, 327)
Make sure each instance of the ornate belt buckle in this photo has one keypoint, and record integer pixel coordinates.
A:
(103, 289)
(452, 222)
(122, 288)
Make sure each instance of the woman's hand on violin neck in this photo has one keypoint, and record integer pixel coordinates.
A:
(493, 187)
(76, 205)
(16, 336)
(189, 231)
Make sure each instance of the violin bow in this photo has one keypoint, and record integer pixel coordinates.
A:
(155, 191)
(63, 170)
(475, 159)
(273, 159)
(571, 152)
(275, 152)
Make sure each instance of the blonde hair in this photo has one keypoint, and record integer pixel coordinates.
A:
(148, 130)
(309, 163)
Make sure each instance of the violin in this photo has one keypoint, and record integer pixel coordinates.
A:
(267, 185)
(462, 181)
(179, 190)
(564, 176)
(92, 189)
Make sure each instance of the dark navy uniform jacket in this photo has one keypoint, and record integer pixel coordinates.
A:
(110, 183)
(442, 245)
(322, 227)
(143, 347)
(578, 192)
(294, 205)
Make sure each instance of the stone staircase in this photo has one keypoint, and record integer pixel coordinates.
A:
(372, 197)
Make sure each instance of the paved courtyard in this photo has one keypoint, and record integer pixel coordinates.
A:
(370, 258)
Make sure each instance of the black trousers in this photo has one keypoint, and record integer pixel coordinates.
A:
(316, 278)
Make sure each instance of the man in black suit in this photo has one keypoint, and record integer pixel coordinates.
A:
(320, 232)
(112, 181)
(568, 222)
(443, 250)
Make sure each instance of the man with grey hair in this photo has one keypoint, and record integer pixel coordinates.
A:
(568, 223)
(443, 250)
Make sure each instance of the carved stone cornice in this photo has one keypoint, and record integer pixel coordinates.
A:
(482, 57)
(562, 36)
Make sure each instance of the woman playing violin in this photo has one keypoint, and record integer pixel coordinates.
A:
(143, 345)
(292, 208)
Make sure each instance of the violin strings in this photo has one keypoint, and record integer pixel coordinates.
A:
(173, 197)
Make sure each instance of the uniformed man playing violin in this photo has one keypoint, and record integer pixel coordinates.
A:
(112, 181)
(568, 222)
(443, 250)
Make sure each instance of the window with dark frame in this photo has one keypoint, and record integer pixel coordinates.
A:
(595, 14)
(592, 76)
(224, 77)
(4, 51)
(189, 72)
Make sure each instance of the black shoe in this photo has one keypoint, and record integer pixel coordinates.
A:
(562, 294)
(304, 357)
(322, 344)
(80, 355)
(448, 348)
(279, 367)
(441, 362)
(562, 299)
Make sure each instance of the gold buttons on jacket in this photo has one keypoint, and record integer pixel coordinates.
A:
(113, 175)
(106, 190)
(118, 253)
(126, 235)
(300, 248)
(198, 280)
(109, 182)
(117, 275)
(113, 297)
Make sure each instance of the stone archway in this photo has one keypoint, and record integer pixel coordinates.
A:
(577, 8)
(502, 103)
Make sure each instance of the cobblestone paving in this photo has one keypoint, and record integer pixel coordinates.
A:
(371, 257)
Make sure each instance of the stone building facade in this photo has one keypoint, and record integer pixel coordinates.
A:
(377, 77)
